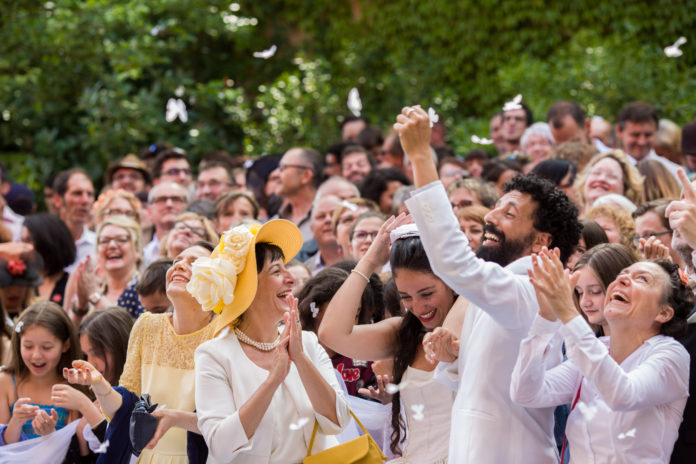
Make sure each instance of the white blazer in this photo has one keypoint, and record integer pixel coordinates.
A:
(226, 378)
(487, 427)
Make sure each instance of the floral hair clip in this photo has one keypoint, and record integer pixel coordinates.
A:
(18, 327)
(683, 277)
(16, 267)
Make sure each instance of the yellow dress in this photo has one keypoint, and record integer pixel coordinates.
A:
(160, 362)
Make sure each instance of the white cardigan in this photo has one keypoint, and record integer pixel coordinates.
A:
(226, 378)
(626, 413)
(503, 307)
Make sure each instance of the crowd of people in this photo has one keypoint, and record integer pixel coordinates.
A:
(527, 302)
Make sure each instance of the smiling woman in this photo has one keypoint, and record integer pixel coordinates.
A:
(427, 301)
(635, 381)
(252, 383)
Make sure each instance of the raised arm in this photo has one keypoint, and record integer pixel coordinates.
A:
(338, 330)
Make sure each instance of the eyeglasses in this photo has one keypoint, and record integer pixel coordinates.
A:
(198, 231)
(363, 235)
(163, 199)
(636, 238)
(122, 212)
(174, 172)
(213, 184)
(128, 175)
(283, 166)
(462, 204)
(119, 239)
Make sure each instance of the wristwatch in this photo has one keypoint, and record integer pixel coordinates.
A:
(95, 297)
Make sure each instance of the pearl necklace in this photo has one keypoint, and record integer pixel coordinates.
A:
(263, 346)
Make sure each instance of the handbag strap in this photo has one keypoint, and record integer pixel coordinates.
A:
(572, 406)
(316, 427)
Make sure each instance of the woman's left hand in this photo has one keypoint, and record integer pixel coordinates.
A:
(292, 320)
(553, 281)
(166, 421)
(43, 424)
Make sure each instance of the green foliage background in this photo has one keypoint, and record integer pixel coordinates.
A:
(83, 82)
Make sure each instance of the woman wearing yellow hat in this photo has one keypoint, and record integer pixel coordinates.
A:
(258, 392)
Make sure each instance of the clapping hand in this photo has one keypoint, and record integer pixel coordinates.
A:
(554, 283)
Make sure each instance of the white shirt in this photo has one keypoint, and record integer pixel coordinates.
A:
(626, 413)
(151, 251)
(85, 245)
(670, 165)
(226, 378)
(487, 426)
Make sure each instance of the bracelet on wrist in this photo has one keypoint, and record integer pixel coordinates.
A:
(367, 279)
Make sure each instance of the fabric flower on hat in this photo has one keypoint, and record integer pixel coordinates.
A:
(213, 279)
(16, 267)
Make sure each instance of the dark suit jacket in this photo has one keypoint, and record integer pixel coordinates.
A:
(685, 447)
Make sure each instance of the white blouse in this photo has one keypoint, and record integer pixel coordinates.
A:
(626, 413)
(226, 378)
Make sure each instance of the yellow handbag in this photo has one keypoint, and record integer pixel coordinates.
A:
(361, 450)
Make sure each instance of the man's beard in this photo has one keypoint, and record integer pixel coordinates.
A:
(506, 251)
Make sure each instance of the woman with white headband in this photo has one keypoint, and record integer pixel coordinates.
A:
(426, 404)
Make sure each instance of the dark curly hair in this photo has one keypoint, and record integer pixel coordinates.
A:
(677, 295)
(554, 214)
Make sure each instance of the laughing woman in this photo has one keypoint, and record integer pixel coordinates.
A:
(628, 390)
(259, 394)
(427, 300)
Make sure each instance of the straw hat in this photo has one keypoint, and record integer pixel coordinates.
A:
(129, 161)
(226, 282)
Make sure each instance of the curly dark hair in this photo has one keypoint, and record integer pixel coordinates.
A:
(679, 296)
(554, 214)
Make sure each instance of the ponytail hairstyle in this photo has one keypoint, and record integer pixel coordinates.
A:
(407, 252)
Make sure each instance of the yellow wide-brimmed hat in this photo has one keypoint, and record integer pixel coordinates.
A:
(226, 282)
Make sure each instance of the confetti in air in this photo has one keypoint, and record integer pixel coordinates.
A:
(673, 51)
(481, 140)
(266, 54)
(354, 102)
(514, 104)
(350, 206)
(103, 447)
(299, 424)
(314, 309)
(393, 388)
(176, 108)
(18, 327)
(588, 411)
(417, 411)
(433, 116)
(179, 92)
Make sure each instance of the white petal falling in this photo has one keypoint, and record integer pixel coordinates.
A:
(673, 51)
(481, 140)
(588, 411)
(354, 102)
(18, 327)
(514, 104)
(314, 309)
(103, 447)
(176, 108)
(179, 92)
(433, 116)
(417, 410)
(631, 433)
(266, 54)
(299, 424)
(392, 388)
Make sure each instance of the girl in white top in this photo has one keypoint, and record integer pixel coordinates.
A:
(630, 389)
(425, 404)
